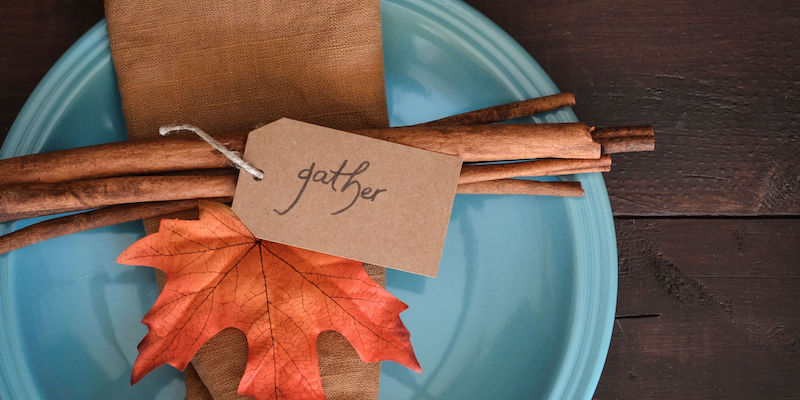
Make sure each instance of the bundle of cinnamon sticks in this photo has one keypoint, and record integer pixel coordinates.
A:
(133, 180)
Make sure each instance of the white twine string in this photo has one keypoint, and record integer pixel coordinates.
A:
(233, 156)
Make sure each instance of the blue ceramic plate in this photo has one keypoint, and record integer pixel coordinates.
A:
(523, 306)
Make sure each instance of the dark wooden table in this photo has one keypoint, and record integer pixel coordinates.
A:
(707, 225)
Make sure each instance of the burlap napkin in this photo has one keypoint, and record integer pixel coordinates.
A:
(234, 65)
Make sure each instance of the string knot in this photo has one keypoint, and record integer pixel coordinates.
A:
(233, 156)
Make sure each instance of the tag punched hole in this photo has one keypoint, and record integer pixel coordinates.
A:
(259, 176)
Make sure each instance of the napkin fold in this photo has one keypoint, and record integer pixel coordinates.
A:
(230, 66)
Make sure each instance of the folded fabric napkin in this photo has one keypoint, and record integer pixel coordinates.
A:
(229, 66)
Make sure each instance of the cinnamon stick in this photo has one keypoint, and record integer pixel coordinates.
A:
(548, 167)
(117, 214)
(476, 143)
(189, 152)
(625, 139)
(505, 112)
(496, 142)
(90, 220)
(32, 200)
(139, 157)
(52, 198)
(523, 187)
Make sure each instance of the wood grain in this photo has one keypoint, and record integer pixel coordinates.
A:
(707, 307)
(719, 80)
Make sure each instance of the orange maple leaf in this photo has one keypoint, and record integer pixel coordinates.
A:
(219, 275)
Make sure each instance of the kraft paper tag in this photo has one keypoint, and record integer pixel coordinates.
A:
(347, 195)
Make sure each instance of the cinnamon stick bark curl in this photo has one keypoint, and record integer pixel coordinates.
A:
(523, 187)
(547, 167)
(113, 215)
(505, 112)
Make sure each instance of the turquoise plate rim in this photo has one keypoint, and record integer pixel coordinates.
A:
(592, 320)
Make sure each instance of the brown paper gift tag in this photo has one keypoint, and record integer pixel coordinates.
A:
(347, 195)
(232, 66)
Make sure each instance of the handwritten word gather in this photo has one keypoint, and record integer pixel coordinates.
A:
(331, 177)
